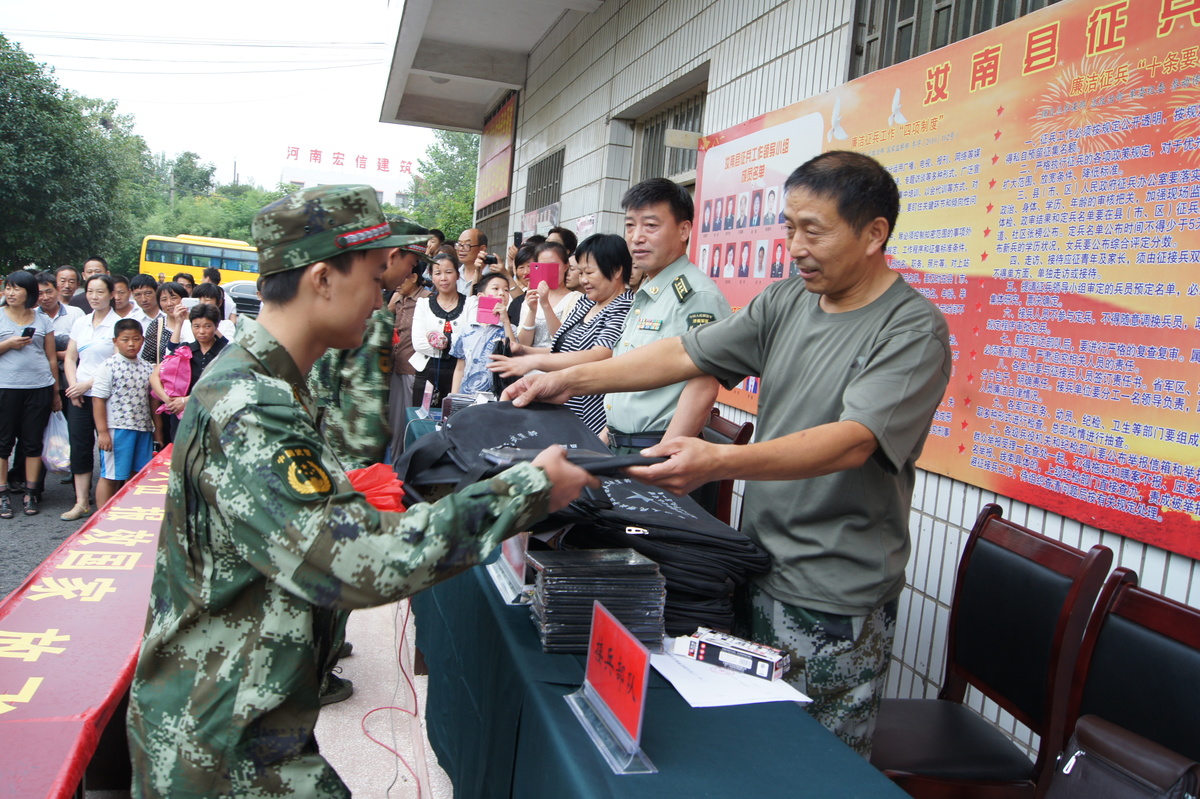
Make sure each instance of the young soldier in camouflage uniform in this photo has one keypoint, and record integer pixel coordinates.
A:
(264, 538)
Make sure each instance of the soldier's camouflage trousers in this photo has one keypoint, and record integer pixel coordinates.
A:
(840, 662)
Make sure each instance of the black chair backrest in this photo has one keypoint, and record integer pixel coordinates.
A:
(1019, 610)
(1139, 666)
(1008, 612)
(717, 497)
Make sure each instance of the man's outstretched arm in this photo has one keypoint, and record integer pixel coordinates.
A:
(653, 366)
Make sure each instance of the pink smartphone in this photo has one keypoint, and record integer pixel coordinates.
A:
(544, 273)
(486, 312)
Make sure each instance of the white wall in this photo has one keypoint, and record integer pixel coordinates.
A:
(762, 55)
(619, 57)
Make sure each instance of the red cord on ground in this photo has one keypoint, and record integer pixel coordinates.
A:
(412, 688)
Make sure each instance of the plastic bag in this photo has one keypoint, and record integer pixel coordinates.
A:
(380, 486)
(175, 372)
(56, 444)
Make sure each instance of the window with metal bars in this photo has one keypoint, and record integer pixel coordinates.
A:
(657, 159)
(887, 32)
(543, 181)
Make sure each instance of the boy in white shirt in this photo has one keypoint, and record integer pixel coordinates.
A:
(122, 410)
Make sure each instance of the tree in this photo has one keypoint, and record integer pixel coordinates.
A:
(72, 172)
(191, 177)
(444, 189)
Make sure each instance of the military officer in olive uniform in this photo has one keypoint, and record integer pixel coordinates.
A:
(674, 298)
(264, 538)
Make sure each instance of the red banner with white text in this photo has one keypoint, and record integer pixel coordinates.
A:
(1050, 205)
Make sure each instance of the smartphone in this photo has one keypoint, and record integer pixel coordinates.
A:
(547, 273)
(189, 302)
(486, 313)
(28, 332)
(518, 237)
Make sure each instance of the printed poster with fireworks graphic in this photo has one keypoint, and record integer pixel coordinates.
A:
(1050, 206)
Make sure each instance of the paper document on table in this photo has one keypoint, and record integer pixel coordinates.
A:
(705, 685)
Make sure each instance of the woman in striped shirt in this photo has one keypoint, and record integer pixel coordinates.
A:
(590, 331)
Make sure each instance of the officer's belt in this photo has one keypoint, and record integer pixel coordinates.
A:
(638, 441)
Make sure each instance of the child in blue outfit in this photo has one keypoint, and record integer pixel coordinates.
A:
(122, 410)
(473, 346)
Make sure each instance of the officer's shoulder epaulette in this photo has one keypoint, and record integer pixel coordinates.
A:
(682, 288)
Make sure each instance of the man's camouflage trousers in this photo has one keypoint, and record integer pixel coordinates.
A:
(840, 662)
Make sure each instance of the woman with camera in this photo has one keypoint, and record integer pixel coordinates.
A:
(590, 331)
(544, 307)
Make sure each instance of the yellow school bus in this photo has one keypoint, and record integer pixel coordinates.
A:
(163, 257)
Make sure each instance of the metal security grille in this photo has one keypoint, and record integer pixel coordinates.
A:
(543, 181)
(657, 159)
(887, 32)
(493, 209)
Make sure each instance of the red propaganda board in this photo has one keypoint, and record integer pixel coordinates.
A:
(618, 668)
(1050, 206)
(496, 155)
(69, 639)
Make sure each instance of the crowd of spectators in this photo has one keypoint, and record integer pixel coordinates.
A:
(572, 313)
(65, 336)
(566, 302)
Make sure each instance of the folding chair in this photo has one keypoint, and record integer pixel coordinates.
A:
(1020, 605)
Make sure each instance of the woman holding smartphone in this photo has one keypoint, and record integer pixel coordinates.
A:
(90, 345)
(28, 376)
(592, 328)
(546, 307)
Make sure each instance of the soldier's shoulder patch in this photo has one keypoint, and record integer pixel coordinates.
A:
(385, 359)
(697, 319)
(301, 472)
(682, 288)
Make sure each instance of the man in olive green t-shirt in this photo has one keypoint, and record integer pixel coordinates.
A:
(853, 364)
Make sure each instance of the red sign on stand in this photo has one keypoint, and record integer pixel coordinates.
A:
(611, 704)
(617, 668)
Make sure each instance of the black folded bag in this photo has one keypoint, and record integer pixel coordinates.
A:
(701, 558)
(454, 454)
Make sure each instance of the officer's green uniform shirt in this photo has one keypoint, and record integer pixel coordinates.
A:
(676, 300)
(262, 541)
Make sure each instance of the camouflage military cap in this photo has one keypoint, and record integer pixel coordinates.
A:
(318, 223)
(416, 238)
